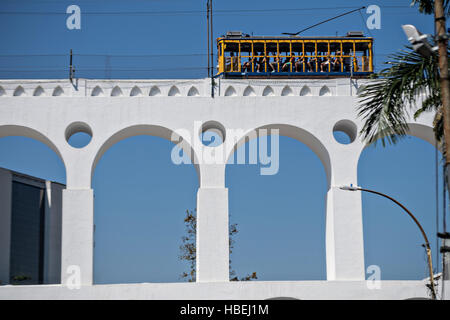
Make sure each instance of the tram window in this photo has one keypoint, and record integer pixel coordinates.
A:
(297, 48)
(231, 61)
(323, 48)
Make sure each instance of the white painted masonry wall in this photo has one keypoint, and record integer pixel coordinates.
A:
(113, 110)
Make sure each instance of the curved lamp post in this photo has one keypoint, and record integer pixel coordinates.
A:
(427, 244)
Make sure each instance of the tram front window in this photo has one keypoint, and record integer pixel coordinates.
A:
(231, 63)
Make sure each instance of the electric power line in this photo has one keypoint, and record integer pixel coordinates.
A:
(187, 12)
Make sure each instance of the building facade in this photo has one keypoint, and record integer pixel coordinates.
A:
(30, 229)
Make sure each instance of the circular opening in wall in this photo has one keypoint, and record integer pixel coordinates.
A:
(78, 134)
(345, 131)
(212, 134)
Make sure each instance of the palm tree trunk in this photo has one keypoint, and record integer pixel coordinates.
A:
(441, 33)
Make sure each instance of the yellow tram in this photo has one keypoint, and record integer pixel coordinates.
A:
(242, 56)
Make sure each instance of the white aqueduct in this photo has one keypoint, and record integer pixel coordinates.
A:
(111, 110)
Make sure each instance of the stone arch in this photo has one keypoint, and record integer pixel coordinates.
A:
(306, 91)
(151, 130)
(418, 130)
(155, 91)
(58, 92)
(135, 92)
(268, 92)
(174, 91)
(230, 92)
(249, 92)
(39, 92)
(325, 91)
(22, 131)
(298, 134)
(97, 92)
(116, 92)
(287, 91)
(193, 92)
(20, 91)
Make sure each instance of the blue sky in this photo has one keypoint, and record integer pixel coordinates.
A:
(141, 196)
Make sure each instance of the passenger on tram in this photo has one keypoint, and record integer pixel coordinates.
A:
(337, 62)
(299, 64)
(325, 64)
(232, 63)
(261, 63)
(287, 65)
(308, 65)
(275, 64)
(247, 66)
(314, 64)
(347, 62)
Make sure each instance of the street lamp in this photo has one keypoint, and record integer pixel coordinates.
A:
(419, 41)
(427, 244)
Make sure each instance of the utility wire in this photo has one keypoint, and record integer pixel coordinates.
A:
(187, 12)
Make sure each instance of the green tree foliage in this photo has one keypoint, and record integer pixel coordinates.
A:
(188, 249)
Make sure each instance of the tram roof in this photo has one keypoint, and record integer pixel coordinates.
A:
(290, 38)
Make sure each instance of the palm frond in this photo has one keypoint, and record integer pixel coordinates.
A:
(427, 6)
(409, 80)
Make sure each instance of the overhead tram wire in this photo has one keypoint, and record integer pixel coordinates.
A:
(322, 22)
(188, 12)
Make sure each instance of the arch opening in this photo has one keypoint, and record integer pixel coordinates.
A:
(249, 92)
(32, 177)
(155, 91)
(193, 92)
(20, 91)
(406, 172)
(268, 92)
(116, 92)
(97, 92)
(174, 92)
(58, 92)
(287, 91)
(306, 91)
(230, 92)
(39, 92)
(141, 207)
(325, 91)
(280, 218)
(136, 92)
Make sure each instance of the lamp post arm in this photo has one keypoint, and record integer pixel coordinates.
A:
(427, 243)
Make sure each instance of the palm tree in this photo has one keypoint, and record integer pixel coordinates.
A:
(410, 81)
(385, 102)
(427, 6)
